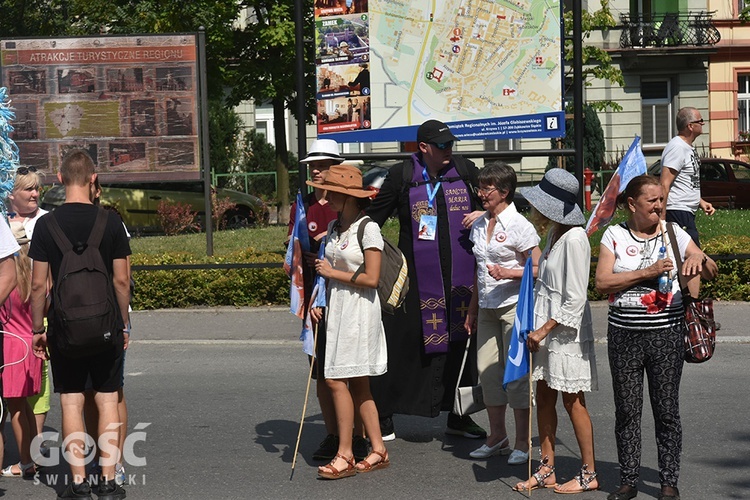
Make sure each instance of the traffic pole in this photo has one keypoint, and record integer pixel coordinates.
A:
(588, 177)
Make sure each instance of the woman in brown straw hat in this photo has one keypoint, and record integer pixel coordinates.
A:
(563, 339)
(355, 338)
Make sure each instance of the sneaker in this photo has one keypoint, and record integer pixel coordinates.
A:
(327, 449)
(386, 428)
(464, 427)
(73, 490)
(360, 447)
(120, 476)
(110, 490)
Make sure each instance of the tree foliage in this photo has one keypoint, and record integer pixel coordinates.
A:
(265, 71)
(597, 63)
(594, 147)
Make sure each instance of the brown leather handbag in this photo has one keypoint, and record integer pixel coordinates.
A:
(700, 327)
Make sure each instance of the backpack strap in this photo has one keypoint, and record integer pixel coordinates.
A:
(360, 235)
(62, 241)
(97, 232)
(95, 238)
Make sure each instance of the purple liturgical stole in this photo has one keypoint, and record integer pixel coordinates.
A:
(436, 330)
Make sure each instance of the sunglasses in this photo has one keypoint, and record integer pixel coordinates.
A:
(25, 170)
(701, 121)
(443, 145)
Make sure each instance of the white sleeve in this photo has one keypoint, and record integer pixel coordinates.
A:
(8, 245)
(673, 158)
(577, 262)
(529, 238)
(608, 239)
(372, 237)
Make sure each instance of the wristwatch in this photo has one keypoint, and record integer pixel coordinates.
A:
(39, 332)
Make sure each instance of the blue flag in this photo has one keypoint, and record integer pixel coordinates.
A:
(517, 365)
(298, 244)
(318, 299)
(632, 165)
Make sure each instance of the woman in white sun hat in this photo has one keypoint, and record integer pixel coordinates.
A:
(563, 339)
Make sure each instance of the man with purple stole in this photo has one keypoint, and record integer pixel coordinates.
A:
(433, 192)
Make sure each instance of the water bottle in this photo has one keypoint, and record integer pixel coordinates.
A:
(665, 284)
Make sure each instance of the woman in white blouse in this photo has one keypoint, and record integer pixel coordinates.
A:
(502, 240)
(563, 341)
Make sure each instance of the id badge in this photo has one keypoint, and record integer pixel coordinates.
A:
(427, 227)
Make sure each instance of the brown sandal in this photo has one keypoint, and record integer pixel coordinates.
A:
(334, 473)
(368, 467)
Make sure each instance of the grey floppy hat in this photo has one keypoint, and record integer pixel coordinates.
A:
(555, 197)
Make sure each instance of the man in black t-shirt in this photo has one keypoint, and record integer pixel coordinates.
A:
(76, 218)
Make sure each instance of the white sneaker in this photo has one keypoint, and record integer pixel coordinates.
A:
(389, 437)
(120, 476)
(518, 457)
(485, 451)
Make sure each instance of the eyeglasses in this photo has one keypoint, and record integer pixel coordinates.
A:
(443, 145)
(25, 170)
(486, 190)
(701, 121)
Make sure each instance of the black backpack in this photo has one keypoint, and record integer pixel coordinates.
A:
(84, 301)
(394, 273)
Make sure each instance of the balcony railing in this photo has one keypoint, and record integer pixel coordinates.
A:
(668, 30)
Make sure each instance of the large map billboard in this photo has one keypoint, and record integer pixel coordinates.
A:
(491, 69)
(130, 101)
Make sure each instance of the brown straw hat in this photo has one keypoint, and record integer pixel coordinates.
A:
(343, 179)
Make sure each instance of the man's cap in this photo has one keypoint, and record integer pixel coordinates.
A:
(433, 131)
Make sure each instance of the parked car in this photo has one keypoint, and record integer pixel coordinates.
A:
(137, 203)
(725, 183)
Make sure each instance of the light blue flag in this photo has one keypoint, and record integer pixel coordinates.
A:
(318, 299)
(298, 244)
(632, 165)
(517, 365)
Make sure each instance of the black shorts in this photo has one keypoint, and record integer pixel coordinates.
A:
(686, 220)
(70, 375)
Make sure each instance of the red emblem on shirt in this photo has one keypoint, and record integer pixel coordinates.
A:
(312, 226)
(500, 237)
(632, 250)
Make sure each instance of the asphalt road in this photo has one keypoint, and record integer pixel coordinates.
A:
(222, 391)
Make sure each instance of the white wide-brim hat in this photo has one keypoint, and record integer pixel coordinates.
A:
(323, 149)
(555, 197)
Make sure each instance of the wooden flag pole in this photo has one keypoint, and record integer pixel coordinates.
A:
(531, 417)
(307, 394)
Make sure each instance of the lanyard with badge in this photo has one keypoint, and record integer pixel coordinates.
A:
(428, 223)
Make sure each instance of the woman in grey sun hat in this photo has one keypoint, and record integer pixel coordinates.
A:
(555, 197)
(563, 338)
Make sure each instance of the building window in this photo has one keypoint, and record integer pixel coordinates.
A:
(500, 145)
(656, 112)
(743, 104)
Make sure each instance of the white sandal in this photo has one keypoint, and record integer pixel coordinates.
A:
(8, 471)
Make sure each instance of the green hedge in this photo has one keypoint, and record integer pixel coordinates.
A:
(260, 287)
(220, 287)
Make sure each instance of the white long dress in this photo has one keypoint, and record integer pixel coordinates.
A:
(566, 358)
(355, 337)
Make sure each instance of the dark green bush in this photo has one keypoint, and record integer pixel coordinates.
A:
(261, 287)
(199, 287)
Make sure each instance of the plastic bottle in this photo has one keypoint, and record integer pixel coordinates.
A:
(665, 284)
